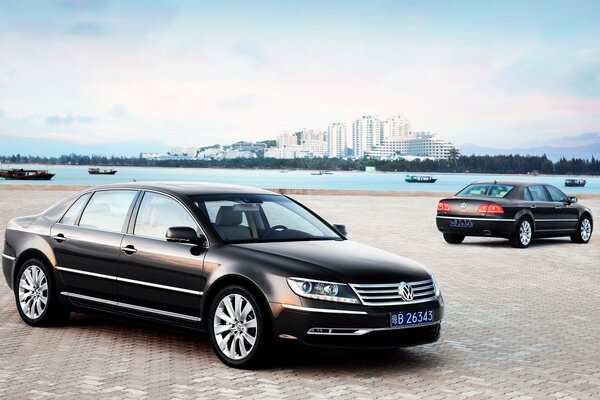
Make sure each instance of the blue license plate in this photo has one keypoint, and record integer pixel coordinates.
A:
(461, 223)
(403, 318)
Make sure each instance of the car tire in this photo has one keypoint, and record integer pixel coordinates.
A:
(584, 230)
(239, 332)
(523, 234)
(36, 295)
(453, 238)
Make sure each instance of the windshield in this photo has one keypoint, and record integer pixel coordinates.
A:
(485, 190)
(250, 218)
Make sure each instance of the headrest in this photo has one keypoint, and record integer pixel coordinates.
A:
(228, 217)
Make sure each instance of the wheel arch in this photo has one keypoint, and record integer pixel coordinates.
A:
(27, 255)
(525, 214)
(230, 280)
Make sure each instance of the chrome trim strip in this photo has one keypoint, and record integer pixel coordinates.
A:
(556, 220)
(364, 331)
(321, 310)
(131, 306)
(400, 303)
(133, 281)
(477, 218)
(11, 258)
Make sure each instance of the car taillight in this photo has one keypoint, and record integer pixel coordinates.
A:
(490, 209)
(443, 206)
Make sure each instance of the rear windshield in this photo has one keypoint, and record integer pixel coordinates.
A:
(486, 190)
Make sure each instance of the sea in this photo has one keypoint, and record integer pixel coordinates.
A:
(291, 179)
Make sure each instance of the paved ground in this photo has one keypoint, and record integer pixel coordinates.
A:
(519, 324)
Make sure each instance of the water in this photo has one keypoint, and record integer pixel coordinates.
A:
(299, 179)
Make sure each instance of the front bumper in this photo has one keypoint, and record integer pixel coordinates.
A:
(497, 227)
(357, 327)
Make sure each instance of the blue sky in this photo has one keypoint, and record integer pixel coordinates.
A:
(494, 73)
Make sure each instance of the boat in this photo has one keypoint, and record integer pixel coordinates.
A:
(419, 179)
(575, 182)
(26, 174)
(322, 173)
(98, 171)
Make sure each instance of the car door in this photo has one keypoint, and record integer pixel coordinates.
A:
(542, 208)
(86, 243)
(566, 214)
(156, 277)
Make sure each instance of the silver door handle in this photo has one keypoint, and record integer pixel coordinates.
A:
(558, 207)
(59, 238)
(532, 207)
(129, 249)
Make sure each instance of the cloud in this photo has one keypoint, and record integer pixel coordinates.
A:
(68, 119)
(249, 52)
(119, 111)
(246, 101)
(89, 30)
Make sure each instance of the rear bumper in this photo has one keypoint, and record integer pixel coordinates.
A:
(497, 227)
(370, 329)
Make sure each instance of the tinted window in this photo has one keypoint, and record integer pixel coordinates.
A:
(556, 195)
(486, 190)
(107, 210)
(538, 193)
(70, 216)
(261, 218)
(158, 213)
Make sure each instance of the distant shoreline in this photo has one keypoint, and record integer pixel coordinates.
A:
(49, 166)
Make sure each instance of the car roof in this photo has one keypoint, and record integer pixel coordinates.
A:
(510, 183)
(186, 188)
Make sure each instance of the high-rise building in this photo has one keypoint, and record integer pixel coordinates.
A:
(366, 133)
(336, 140)
(285, 139)
(395, 127)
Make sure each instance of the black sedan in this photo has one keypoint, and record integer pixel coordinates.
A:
(518, 211)
(251, 267)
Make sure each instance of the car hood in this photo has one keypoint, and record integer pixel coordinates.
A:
(341, 260)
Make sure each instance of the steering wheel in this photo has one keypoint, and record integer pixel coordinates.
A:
(279, 228)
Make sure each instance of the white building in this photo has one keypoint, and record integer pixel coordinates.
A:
(285, 152)
(336, 140)
(231, 154)
(285, 139)
(366, 133)
(396, 126)
(420, 144)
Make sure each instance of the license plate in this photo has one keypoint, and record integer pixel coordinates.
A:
(403, 318)
(461, 223)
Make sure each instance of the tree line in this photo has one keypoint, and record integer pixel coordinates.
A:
(498, 164)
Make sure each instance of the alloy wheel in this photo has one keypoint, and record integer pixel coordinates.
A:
(33, 292)
(235, 326)
(525, 232)
(586, 229)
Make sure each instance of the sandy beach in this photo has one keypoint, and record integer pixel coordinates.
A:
(519, 324)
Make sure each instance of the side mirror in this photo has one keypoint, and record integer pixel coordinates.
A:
(184, 234)
(573, 199)
(341, 229)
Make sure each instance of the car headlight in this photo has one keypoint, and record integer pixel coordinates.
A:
(321, 290)
(435, 286)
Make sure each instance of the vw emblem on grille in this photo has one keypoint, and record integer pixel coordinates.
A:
(463, 205)
(405, 291)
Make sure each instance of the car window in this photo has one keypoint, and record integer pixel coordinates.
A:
(107, 210)
(538, 193)
(157, 213)
(71, 215)
(486, 190)
(556, 195)
(261, 218)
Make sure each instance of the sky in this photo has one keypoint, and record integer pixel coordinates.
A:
(193, 73)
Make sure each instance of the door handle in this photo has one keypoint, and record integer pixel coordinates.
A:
(558, 207)
(59, 238)
(532, 207)
(129, 249)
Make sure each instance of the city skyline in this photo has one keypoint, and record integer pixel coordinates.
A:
(92, 73)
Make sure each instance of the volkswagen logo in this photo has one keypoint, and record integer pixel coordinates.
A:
(405, 291)
(463, 205)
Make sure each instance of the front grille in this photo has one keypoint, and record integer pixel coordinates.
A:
(388, 294)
